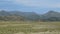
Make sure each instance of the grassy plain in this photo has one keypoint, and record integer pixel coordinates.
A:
(29, 27)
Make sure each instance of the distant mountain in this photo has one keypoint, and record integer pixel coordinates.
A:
(4, 13)
(32, 16)
(25, 15)
(19, 13)
(51, 15)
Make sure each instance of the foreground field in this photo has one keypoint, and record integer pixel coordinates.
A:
(29, 27)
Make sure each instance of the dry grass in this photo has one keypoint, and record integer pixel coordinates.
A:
(28, 27)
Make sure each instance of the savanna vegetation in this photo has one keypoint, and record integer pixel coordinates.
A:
(28, 27)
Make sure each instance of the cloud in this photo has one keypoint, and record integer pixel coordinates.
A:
(30, 2)
(36, 3)
(39, 3)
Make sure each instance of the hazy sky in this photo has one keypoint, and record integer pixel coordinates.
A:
(39, 6)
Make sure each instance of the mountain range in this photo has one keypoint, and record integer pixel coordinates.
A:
(18, 15)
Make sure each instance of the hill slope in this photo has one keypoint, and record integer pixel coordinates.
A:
(32, 16)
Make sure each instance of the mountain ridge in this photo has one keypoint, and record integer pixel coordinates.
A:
(50, 15)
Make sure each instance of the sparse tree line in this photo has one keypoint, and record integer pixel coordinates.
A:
(51, 19)
(20, 18)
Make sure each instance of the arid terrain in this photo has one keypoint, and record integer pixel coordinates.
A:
(29, 27)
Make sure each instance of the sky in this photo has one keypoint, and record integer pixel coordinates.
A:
(38, 6)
